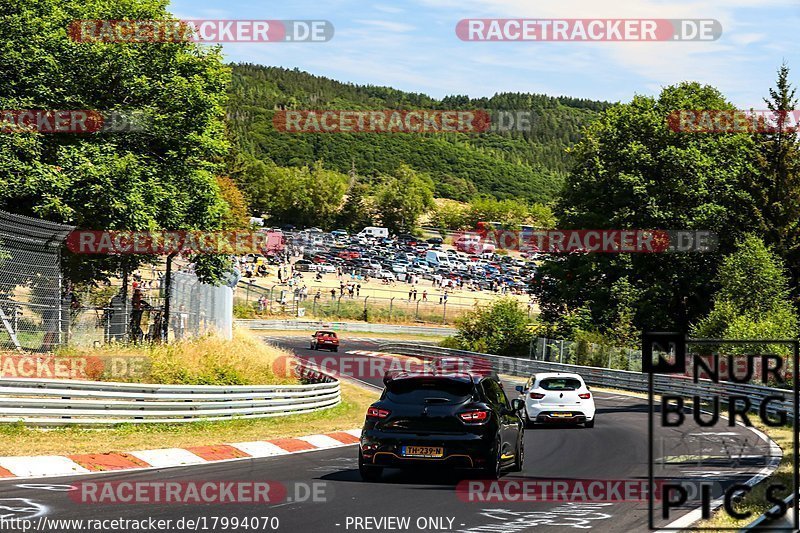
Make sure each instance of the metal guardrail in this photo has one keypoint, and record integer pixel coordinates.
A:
(363, 327)
(619, 379)
(50, 402)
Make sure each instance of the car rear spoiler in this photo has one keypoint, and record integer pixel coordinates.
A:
(394, 375)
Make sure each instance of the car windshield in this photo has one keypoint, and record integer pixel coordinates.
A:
(560, 384)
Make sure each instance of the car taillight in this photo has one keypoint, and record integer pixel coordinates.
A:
(374, 412)
(474, 416)
(585, 396)
(537, 396)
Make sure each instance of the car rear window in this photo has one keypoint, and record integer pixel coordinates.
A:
(420, 391)
(560, 384)
(327, 333)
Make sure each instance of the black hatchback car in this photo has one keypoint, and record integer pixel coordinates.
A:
(452, 420)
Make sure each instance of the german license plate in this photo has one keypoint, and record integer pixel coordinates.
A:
(422, 451)
(562, 415)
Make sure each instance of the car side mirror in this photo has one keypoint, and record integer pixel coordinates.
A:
(519, 388)
(517, 404)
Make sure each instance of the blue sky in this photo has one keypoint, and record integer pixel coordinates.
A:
(412, 46)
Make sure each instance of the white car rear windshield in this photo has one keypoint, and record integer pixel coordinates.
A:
(560, 384)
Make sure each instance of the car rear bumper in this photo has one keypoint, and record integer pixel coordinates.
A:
(556, 418)
(460, 451)
(548, 414)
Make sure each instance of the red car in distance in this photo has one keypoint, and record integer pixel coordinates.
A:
(325, 339)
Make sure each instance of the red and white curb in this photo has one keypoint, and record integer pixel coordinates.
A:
(370, 353)
(387, 355)
(93, 463)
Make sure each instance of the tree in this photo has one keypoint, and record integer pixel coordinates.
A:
(161, 176)
(632, 172)
(775, 183)
(449, 215)
(753, 300)
(237, 214)
(509, 212)
(401, 199)
(357, 213)
(500, 328)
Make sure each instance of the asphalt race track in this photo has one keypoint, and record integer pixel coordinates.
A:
(616, 448)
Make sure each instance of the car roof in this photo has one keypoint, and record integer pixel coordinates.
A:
(463, 377)
(545, 375)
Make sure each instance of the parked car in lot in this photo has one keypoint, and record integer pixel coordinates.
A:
(303, 265)
(557, 397)
(399, 268)
(325, 339)
(435, 240)
(453, 421)
(327, 268)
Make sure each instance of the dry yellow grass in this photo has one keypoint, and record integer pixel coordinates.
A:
(208, 360)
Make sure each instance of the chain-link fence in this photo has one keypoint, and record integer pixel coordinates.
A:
(195, 309)
(39, 310)
(198, 308)
(33, 313)
(585, 353)
(335, 304)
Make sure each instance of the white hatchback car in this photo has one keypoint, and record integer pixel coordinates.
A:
(557, 397)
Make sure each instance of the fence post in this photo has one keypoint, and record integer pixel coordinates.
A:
(561, 352)
(391, 303)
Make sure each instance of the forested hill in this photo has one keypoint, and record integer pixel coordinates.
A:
(529, 164)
